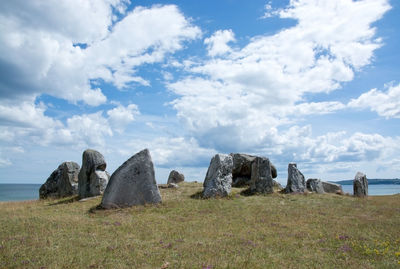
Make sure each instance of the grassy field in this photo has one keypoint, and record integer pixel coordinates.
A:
(266, 231)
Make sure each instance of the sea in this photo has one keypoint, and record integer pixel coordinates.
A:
(21, 192)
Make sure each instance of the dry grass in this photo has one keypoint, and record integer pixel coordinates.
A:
(266, 231)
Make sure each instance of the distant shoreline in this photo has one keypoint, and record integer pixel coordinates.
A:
(372, 181)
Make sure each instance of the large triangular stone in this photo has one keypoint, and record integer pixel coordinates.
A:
(133, 183)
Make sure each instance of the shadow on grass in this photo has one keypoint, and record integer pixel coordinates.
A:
(96, 208)
(247, 192)
(66, 201)
(198, 195)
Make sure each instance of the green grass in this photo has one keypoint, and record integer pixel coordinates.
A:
(265, 231)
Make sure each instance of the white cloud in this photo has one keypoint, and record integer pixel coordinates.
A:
(254, 91)
(121, 116)
(217, 44)
(386, 104)
(60, 47)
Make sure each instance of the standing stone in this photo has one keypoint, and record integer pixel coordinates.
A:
(296, 181)
(133, 183)
(315, 185)
(330, 187)
(175, 177)
(261, 178)
(62, 182)
(218, 180)
(360, 185)
(274, 172)
(92, 178)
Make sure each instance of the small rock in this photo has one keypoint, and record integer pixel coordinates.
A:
(360, 185)
(330, 187)
(218, 180)
(175, 177)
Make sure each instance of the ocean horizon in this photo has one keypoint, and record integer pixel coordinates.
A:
(24, 192)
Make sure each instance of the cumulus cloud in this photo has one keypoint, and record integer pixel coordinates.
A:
(386, 104)
(121, 116)
(240, 99)
(20, 123)
(61, 47)
(217, 44)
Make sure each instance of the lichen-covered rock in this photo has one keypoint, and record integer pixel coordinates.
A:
(296, 181)
(133, 183)
(218, 180)
(330, 187)
(360, 185)
(175, 177)
(62, 182)
(261, 178)
(92, 177)
(315, 185)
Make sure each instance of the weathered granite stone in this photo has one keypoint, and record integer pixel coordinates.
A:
(295, 181)
(261, 178)
(218, 180)
(315, 185)
(332, 187)
(92, 177)
(242, 169)
(360, 185)
(62, 182)
(133, 183)
(175, 177)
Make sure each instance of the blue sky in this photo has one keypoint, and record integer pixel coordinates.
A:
(305, 81)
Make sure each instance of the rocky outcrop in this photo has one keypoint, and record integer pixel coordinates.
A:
(175, 177)
(332, 187)
(360, 185)
(133, 183)
(295, 182)
(62, 182)
(242, 169)
(218, 180)
(315, 185)
(92, 177)
(261, 178)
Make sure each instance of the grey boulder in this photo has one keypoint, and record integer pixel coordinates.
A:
(360, 185)
(330, 187)
(218, 179)
(93, 178)
(315, 185)
(133, 183)
(175, 177)
(62, 182)
(242, 169)
(261, 178)
(296, 181)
